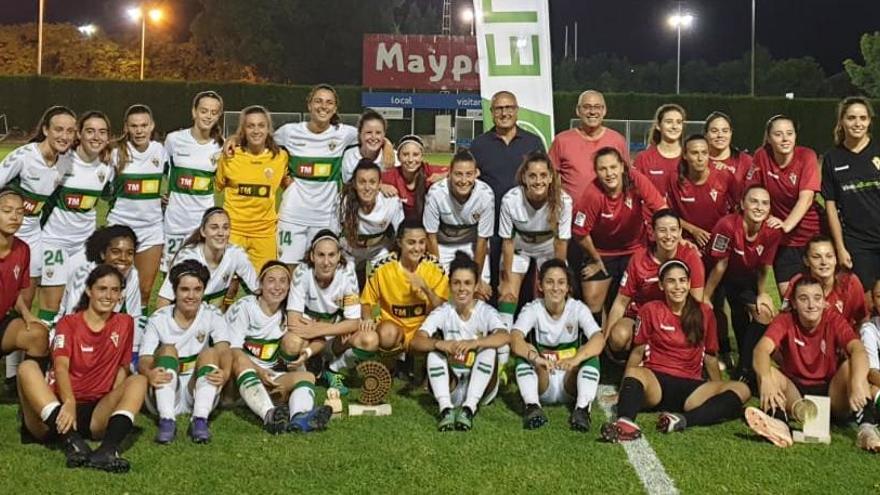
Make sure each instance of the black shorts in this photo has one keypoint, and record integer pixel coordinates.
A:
(614, 265)
(866, 266)
(742, 291)
(84, 412)
(3, 324)
(674, 391)
(788, 263)
(819, 389)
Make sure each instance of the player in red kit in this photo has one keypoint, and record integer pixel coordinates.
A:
(718, 130)
(88, 393)
(674, 342)
(660, 160)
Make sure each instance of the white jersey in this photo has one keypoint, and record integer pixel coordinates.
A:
(137, 202)
(446, 322)
(456, 223)
(350, 159)
(339, 300)
(551, 333)
(528, 227)
(207, 328)
(375, 227)
(316, 167)
(255, 332)
(871, 340)
(191, 169)
(73, 217)
(26, 171)
(233, 262)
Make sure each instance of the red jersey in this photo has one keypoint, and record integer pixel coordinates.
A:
(572, 154)
(640, 282)
(617, 225)
(744, 256)
(784, 186)
(667, 349)
(657, 167)
(702, 204)
(810, 357)
(738, 166)
(847, 297)
(394, 177)
(14, 274)
(95, 357)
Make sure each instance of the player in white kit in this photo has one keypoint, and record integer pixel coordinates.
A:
(557, 343)
(371, 144)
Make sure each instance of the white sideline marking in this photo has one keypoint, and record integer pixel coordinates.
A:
(641, 456)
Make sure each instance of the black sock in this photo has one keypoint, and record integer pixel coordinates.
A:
(722, 407)
(117, 428)
(868, 414)
(52, 421)
(598, 317)
(630, 398)
(752, 334)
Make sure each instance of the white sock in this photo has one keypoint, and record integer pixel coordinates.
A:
(346, 360)
(254, 393)
(503, 355)
(438, 376)
(527, 381)
(481, 374)
(587, 384)
(13, 359)
(46, 411)
(302, 399)
(166, 396)
(205, 393)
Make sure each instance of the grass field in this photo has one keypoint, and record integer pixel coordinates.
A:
(404, 453)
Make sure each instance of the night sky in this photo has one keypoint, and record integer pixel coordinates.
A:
(828, 30)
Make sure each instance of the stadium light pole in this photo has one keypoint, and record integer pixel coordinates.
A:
(679, 21)
(753, 50)
(139, 14)
(41, 9)
(87, 30)
(467, 15)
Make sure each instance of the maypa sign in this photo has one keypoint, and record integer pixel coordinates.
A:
(420, 62)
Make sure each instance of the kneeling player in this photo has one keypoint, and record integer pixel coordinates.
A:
(470, 334)
(560, 359)
(265, 351)
(675, 339)
(187, 338)
(811, 338)
(88, 393)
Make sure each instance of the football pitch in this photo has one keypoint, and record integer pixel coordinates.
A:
(404, 453)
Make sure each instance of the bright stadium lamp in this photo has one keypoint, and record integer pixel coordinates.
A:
(679, 21)
(467, 15)
(88, 29)
(156, 15)
(134, 13)
(141, 14)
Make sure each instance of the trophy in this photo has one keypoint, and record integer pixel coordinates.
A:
(814, 413)
(376, 383)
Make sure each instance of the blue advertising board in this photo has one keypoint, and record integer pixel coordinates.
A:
(445, 101)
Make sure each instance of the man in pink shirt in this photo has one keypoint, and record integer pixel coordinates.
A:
(572, 151)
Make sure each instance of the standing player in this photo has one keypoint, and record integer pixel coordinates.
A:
(560, 359)
(209, 245)
(851, 191)
(675, 341)
(460, 216)
(31, 171)
(139, 161)
(660, 161)
(790, 174)
(250, 180)
(192, 161)
(462, 339)
(534, 225)
(609, 223)
(811, 338)
(186, 355)
(743, 247)
(72, 217)
(640, 283)
(371, 144)
(723, 155)
(88, 393)
(411, 180)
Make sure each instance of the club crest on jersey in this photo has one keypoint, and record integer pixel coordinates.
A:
(215, 158)
(155, 162)
(332, 145)
(822, 346)
(225, 279)
(16, 271)
(101, 175)
(713, 194)
(114, 337)
(628, 202)
(201, 336)
(839, 306)
(269, 173)
(793, 178)
(876, 162)
(569, 328)
(50, 272)
(476, 217)
(759, 249)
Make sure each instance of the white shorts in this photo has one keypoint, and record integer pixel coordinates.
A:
(36, 246)
(447, 254)
(184, 401)
(294, 241)
(173, 243)
(149, 236)
(359, 256)
(522, 259)
(59, 263)
(555, 393)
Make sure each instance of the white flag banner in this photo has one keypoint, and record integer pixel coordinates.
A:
(513, 46)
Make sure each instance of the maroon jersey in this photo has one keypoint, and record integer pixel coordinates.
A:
(744, 256)
(394, 177)
(616, 224)
(738, 166)
(784, 186)
(14, 274)
(657, 167)
(667, 350)
(847, 297)
(640, 282)
(95, 357)
(810, 357)
(702, 204)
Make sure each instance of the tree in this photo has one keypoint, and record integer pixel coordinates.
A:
(866, 77)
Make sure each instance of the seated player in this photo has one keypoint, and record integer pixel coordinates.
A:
(462, 336)
(324, 305)
(264, 358)
(185, 355)
(810, 339)
(89, 393)
(675, 340)
(557, 343)
(210, 246)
